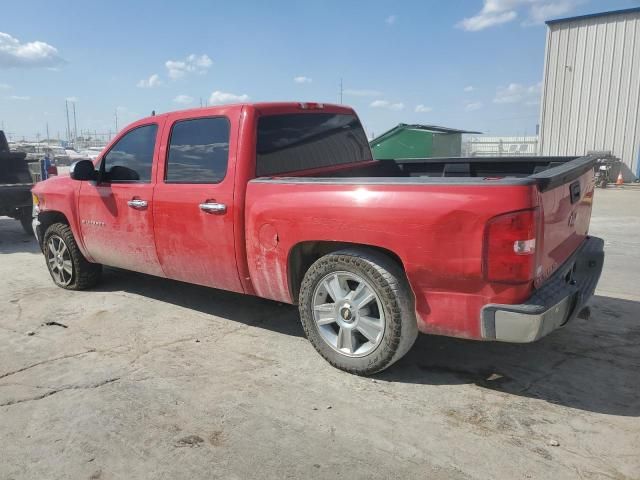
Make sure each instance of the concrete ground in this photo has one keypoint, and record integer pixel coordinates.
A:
(149, 378)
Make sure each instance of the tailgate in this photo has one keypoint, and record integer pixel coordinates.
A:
(566, 197)
(13, 168)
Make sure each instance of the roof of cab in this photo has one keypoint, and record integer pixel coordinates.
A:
(261, 106)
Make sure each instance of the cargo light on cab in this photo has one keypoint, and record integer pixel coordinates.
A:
(510, 254)
(311, 106)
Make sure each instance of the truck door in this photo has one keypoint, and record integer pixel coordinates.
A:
(193, 201)
(116, 213)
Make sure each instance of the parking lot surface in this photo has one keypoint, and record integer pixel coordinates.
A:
(149, 378)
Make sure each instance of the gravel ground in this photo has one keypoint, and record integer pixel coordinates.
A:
(149, 378)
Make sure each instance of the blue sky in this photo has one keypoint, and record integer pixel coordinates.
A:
(469, 64)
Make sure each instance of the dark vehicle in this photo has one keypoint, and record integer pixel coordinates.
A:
(15, 185)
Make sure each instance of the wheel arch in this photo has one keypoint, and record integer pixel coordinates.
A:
(48, 218)
(302, 255)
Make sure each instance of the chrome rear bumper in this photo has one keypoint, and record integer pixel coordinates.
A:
(553, 305)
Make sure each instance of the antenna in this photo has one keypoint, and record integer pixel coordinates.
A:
(116, 120)
(340, 90)
(75, 124)
(66, 106)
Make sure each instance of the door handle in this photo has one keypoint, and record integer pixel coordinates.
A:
(137, 203)
(212, 207)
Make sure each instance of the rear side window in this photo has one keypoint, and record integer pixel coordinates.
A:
(302, 141)
(198, 151)
(130, 159)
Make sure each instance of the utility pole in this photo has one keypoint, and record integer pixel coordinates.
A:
(66, 106)
(116, 120)
(47, 133)
(75, 124)
(340, 90)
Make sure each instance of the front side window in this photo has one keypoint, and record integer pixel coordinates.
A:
(198, 151)
(131, 158)
(303, 141)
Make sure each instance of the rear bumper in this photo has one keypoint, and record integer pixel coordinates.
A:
(553, 305)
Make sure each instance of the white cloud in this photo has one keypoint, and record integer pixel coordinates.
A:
(4, 86)
(517, 93)
(27, 55)
(152, 81)
(302, 79)
(470, 107)
(482, 21)
(387, 105)
(183, 99)
(423, 109)
(391, 19)
(469, 88)
(192, 64)
(541, 12)
(18, 97)
(219, 97)
(362, 92)
(496, 12)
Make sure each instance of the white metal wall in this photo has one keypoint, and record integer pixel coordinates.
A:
(591, 88)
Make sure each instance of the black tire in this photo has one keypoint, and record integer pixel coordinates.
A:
(25, 221)
(389, 283)
(84, 274)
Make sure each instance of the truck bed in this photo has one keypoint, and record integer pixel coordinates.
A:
(546, 172)
(433, 214)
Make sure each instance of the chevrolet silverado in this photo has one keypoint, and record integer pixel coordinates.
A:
(284, 201)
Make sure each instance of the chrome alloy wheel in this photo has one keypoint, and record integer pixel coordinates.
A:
(59, 260)
(348, 314)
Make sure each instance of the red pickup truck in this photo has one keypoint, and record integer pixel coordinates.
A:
(284, 201)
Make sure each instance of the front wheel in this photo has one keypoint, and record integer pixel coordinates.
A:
(67, 266)
(357, 310)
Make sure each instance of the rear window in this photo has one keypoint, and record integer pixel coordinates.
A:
(198, 151)
(302, 141)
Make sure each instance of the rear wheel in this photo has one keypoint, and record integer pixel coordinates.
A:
(357, 310)
(67, 266)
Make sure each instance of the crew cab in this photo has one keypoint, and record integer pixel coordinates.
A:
(284, 201)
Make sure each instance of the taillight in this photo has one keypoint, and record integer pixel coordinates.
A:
(52, 170)
(510, 244)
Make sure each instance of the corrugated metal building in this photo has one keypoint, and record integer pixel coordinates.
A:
(591, 87)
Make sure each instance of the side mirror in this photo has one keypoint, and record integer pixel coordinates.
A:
(83, 170)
